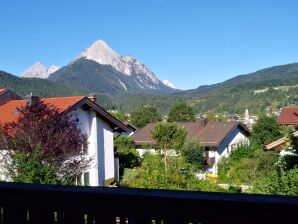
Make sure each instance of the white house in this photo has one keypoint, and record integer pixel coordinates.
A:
(218, 139)
(94, 121)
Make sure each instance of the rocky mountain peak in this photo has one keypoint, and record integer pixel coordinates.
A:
(102, 53)
(38, 70)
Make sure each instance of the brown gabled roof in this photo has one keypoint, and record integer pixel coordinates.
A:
(143, 135)
(210, 135)
(288, 116)
(215, 132)
(9, 110)
(130, 126)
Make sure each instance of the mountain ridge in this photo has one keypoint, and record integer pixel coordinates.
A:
(277, 72)
(96, 77)
(230, 96)
(111, 72)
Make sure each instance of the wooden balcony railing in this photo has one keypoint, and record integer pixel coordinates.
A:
(45, 204)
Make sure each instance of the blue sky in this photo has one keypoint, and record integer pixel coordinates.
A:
(189, 42)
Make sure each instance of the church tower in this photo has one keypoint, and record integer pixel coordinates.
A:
(246, 114)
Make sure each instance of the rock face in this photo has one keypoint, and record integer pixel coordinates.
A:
(38, 70)
(100, 52)
(100, 68)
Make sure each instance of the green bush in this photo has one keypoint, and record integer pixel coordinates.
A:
(279, 182)
(30, 168)
(151, 174)
(193, 153)
(127, 153)
(246, 165)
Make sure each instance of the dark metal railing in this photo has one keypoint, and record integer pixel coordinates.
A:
(49, 204)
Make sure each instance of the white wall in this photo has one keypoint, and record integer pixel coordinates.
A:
(100, 146)
(106, 150)
(235, 138)
(143, 151)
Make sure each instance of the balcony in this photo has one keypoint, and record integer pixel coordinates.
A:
(45, 204)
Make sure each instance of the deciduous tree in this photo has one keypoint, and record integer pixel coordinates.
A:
(265, 131)
(181, 112)
(144, 115)
(168, 137)
(119, 115)
(44, 145)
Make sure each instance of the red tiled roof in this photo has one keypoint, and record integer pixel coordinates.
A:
(288, 115)
(8, 111)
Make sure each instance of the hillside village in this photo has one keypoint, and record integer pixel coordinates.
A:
(136, 131)
(148, 112)
(202, 148)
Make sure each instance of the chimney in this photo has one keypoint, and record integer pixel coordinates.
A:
(202, 121)
(31, 98)
(92, 97)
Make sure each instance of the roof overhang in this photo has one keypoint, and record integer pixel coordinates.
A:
(242, 128)
(116, 124)
(278, 144)
(281, 143)
(287, 123)
(2, 91)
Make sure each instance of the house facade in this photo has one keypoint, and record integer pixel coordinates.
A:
(218, 139)
(93, 121)
(7, 95)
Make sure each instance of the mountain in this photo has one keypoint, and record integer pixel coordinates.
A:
(46, 88)
(273, 73)
(100, 69)
(269, 77)
(38, 70)
(36, 86)
(277, 86)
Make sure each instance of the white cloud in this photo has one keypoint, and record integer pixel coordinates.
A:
(168, 83)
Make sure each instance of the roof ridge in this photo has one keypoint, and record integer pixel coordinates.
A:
(62, 97)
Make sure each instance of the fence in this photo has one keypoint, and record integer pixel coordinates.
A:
(45, 204)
